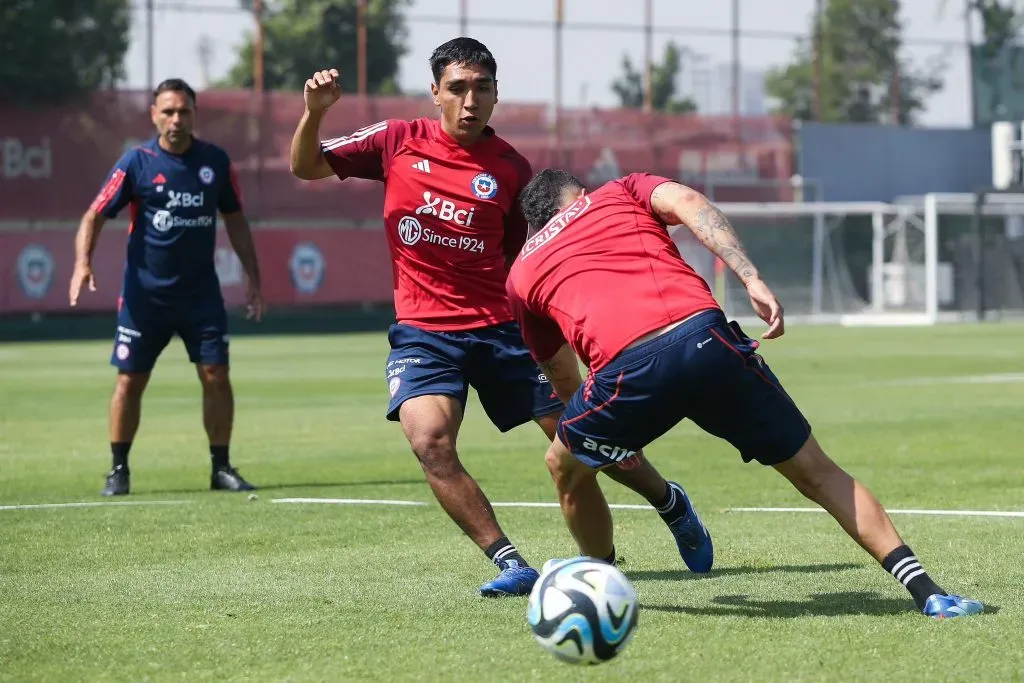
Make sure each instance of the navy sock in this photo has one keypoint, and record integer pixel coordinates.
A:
(671, 507)
(503, 550)
(119, 450)
(219, 456)
(903, 564)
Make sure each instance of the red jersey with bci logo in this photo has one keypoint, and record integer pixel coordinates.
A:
(601, 274)
(451, 217)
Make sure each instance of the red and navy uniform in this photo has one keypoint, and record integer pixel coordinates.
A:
(602, 275)
(170, 283)
(452, 223)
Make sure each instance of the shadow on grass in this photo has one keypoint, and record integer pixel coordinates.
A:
(683, 575)
(301, 485)
(819, 605)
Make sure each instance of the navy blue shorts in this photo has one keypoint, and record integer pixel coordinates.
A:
(493, 360)
(706, 369)
(145, 327)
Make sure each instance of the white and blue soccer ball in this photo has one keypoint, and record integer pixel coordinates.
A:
(583, 610)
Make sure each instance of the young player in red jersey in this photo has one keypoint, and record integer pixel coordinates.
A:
(453, 225)
(601, 278)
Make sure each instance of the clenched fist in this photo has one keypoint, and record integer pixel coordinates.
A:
(322, 90)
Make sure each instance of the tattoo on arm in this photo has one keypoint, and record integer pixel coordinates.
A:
(712, 228)
(678, 204)
(658, 200)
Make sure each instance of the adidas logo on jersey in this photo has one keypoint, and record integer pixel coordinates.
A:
(423, 165)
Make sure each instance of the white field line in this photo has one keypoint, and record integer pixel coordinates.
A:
(371, 501)
(50, 506)
(614, 506)
(511, 504)
(951, 513)
(1004, 378)
(348, 501)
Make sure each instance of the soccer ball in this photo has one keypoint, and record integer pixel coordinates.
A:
(583, 611)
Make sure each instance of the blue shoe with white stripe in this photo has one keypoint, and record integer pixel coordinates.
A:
(692, 537)
(949, 606)
(513, 579)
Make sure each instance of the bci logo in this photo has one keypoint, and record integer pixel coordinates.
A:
(21, 160)
(445, 209)
(184, 200)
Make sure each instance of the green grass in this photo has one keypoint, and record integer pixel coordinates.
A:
(221, 588)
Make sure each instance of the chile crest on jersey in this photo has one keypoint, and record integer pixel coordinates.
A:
(484, 186)
(444, 205)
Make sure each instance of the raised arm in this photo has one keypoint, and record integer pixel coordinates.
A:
(307, 159)
(678, 204)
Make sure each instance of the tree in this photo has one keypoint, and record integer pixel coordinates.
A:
(630, 87)
(863, 78)
(997, 58)
(53, 51)
(303, 36)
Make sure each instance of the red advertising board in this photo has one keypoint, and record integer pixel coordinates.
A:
(53, 160)
(298, 267)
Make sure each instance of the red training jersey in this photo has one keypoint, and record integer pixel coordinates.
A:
(450, 213)
(601, 274)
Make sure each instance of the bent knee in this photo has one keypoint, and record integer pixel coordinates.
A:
(131, 383)
(214, 375)
(436, 452)
(566, 471)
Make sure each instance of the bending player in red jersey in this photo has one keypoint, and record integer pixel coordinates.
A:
(601, 278)
(452, 224)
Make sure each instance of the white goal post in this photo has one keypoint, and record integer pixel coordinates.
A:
(906, 262)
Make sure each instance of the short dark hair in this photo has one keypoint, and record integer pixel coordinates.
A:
(461, 51)
(544, 195)
(174, 85)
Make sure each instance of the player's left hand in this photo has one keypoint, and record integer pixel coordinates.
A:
(767, 308)
(254, 299)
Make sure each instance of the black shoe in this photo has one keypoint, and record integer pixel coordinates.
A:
(118, 482)
(228, 479)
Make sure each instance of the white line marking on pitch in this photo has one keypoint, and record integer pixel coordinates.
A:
(371, 501)
(954, 513)
(621, 506)
(1006, 378)
(347, 501)
(47, 506)
(613, 506)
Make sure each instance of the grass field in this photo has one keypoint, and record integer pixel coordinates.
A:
(212, 586)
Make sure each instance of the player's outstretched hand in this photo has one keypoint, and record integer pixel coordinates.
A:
(321, 90)
(254, 299)
(767, 308)
(81, 275)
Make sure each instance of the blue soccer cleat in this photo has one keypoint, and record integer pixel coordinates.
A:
(692, 537)
(511, 580)
(949, 606)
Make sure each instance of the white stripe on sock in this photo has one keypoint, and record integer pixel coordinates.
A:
(671, 501)
(902, 562)
(504, 552)
(906, 580)
(912, 566)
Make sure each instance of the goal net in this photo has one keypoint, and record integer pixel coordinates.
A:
(848, 263)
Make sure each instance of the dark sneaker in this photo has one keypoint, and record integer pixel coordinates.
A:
(118, 482)
(228, 479)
